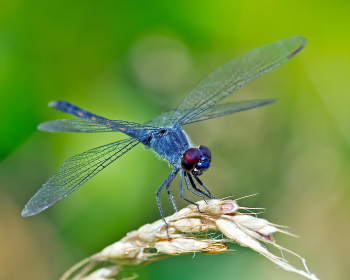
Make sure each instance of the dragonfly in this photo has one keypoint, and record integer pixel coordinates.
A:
(164, 133)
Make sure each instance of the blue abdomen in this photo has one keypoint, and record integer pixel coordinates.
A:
(75, 110)
(72, 109)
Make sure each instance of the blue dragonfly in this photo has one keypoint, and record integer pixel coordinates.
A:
(164, 133)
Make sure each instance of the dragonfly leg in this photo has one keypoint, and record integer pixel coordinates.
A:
(204, 187)
(171, 197)
(165, 183)
(199, 190)
(199, 193)
(182, 195)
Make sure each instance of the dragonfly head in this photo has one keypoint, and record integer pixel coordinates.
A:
(196, 160)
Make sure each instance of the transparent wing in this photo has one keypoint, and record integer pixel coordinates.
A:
(229, 108)
(89, 125)
(162, 119)
(75, 172)
(234, 74)
(215, 111)
(74, 125)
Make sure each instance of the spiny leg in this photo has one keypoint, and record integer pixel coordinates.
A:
(165, 183)
(197, 189)
(204, 187)
(201, 194)
(182, 195)
(171, 197)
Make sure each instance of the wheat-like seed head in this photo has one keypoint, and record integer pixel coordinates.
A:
(188, 231)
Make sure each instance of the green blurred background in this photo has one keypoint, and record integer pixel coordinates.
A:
(131, 60)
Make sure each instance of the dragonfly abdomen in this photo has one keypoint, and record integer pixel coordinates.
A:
(72, 109)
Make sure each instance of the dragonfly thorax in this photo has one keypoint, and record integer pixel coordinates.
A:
(196, 160)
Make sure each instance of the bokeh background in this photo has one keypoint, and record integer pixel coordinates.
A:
(131, 60)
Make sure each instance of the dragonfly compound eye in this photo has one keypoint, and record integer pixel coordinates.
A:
(204, 161)
(190, 159)
(205, 151)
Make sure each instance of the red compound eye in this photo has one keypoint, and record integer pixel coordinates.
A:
(190, 158)
(205, 151)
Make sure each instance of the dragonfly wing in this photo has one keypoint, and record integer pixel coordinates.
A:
(74, 125)
(75, 172)
(234, 74)
(220, 110)
(215, 111)
(89, 125)
(162, 119)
